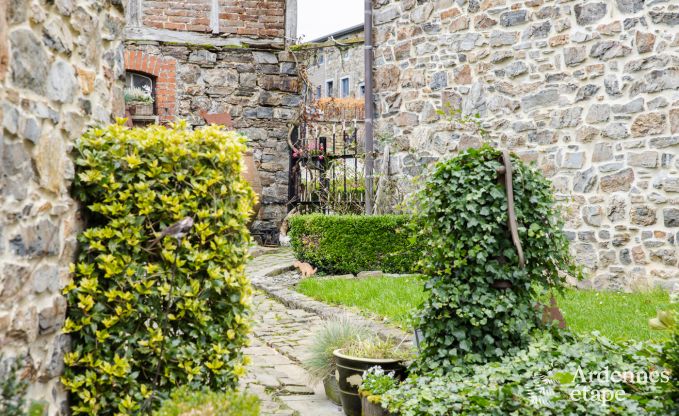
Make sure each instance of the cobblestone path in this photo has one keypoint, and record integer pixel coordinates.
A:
(278, 345)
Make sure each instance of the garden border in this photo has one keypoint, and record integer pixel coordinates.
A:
(293, 299)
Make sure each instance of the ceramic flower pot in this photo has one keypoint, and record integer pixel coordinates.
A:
(369, 408)
(351, 369)
(332, 390)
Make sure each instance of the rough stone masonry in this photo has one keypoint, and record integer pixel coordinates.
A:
(588, 90)
(225, 56)
(61, 68)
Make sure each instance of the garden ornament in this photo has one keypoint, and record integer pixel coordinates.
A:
(508, 172)
(177, 230)
(223, 119)
(505, 175)
(552, 312)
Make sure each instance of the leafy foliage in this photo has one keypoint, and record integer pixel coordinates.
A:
(13, 391)
(546, 378)
(138, 95)
(460, 121)
(184, 402)
(337, 332)
(463, 219)
(12, 388)
(670, 357)
(146, 318)
(667, 321)
(376, 383)
(354, 243)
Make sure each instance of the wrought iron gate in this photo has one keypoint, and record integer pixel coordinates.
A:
(326, 170)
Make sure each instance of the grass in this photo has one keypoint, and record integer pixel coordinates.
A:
(618, 316)
(392, 299)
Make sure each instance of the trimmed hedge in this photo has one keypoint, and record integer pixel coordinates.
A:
(148, 314)
(339, 244)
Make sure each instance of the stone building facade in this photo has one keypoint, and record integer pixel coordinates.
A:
(338, 71)
(225, 56)
(586, 89)
(61, 70)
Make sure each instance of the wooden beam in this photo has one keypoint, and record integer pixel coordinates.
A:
(328, 44)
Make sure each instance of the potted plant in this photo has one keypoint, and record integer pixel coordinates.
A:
(139, 101)
(336, 333)
(360, 356)
(375, 383)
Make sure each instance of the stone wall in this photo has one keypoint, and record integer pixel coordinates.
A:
(240, 66)
(61, 64)
(588, 90)
(258, 88)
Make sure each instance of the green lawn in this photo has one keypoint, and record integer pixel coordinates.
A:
(618, 316)
(389, 298)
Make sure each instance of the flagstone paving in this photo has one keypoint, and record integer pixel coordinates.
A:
(284, 324)
(279, 343)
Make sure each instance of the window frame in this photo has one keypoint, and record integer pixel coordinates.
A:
(342, 92)
(329, 87)
(151, 78)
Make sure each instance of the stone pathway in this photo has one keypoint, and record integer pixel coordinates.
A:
(278, 346)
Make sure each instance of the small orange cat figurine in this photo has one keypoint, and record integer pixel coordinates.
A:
(306, 269)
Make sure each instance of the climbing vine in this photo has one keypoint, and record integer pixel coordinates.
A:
(481, 303)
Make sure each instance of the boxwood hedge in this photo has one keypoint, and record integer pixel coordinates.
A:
(147, 316)
(354, 243)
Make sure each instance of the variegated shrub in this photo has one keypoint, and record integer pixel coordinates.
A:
(145, 318)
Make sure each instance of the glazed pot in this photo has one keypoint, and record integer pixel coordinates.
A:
(350, 371)
(332, 390)
(369, 408)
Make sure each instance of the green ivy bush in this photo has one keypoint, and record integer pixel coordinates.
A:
(148, 317)
(547, 378)
(184, 402)
(353, 243)
(462, 218)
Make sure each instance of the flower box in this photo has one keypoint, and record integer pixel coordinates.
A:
(140, 109)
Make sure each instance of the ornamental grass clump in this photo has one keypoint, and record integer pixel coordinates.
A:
(481, 303)
(148, 316)
(337, 332)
